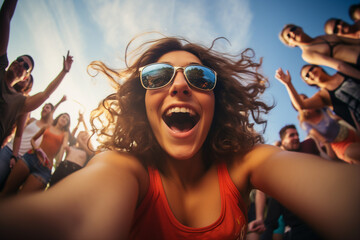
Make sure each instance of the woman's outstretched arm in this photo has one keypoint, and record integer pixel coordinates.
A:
(96, 202)
(323, 193)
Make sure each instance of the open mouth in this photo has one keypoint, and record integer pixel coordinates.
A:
(181, 119)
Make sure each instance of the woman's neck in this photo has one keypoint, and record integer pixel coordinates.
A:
(305, 41)
(185, 171)
(333, 81)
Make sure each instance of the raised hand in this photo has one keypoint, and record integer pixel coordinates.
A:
(67, 62)
(81, 117)
(63, 99)
(284, 78)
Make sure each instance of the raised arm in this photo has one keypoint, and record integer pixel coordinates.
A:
(63, 99)
(6, 13)
(107, 189)
(325, 194)
(338, 65)
(51, 119)
(316, 101)
(35, 101)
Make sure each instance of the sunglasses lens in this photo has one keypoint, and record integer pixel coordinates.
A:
(308, 73)
(156, 75)
(336, 26)
(200, 77)
(20, 60)
(26, 66)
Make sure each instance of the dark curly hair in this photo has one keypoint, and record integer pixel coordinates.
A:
(121, 123)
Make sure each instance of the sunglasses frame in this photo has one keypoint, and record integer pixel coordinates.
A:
(174, 73)
(307, 75)
(292, 29)
(336, 24)
(26, 65)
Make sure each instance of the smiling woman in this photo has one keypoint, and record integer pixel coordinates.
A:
(181, 156)
(229, 129)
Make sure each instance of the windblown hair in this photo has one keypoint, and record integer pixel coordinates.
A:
(122, 116)
(281, 34)
(67, 126)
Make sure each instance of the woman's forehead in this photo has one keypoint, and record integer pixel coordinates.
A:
(180, 58)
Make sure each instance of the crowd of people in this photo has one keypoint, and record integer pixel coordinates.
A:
(331, 117)
(178, 155)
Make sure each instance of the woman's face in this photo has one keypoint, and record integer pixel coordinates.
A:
(293, 35)
(63, 120)
(180, 116)
(311, 74)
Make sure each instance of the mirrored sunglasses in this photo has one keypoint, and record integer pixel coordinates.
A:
(158, 75)
(26, 66)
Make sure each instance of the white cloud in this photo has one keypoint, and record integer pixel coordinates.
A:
(100, 30)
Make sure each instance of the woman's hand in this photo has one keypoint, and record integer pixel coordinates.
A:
(67, 62)
(284, 78)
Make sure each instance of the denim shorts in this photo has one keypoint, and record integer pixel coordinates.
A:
(36, 168)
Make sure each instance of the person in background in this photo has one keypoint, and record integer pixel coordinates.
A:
(339, 53)
(354, 12)
(17, 147)
(341, 28)
(76, 156)
(33, 171)
(325, 127)
(14, 105)
(339, 92)
(180, 157)
(299, 230)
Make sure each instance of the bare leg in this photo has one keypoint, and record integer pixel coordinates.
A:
(32, 184)
(17, 176)
(352, 153)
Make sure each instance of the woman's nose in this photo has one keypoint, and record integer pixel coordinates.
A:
(180, 86)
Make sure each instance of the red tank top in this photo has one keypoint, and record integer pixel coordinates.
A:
(154, 219)
(51, 143)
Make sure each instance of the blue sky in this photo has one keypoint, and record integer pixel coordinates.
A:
(100, 30)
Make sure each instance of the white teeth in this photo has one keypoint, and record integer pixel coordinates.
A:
(180, 110)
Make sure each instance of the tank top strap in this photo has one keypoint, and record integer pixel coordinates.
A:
(228, 186)
(152, 192)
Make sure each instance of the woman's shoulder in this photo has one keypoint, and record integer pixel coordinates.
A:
(243, 166)
(258, 152)
(117, 163)
(118, 160)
